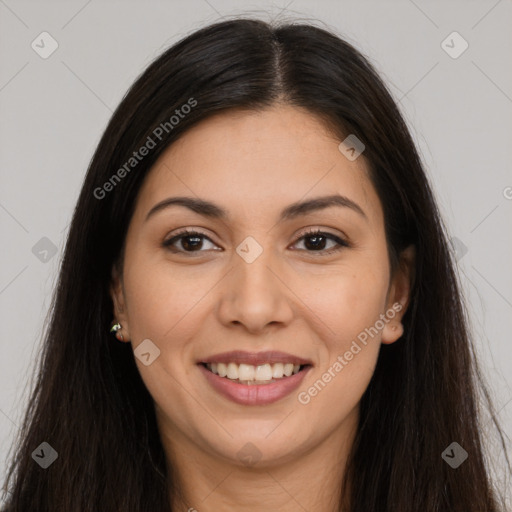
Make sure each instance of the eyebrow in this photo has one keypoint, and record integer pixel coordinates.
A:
(211, 210)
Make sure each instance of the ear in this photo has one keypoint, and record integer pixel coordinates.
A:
(399, 295)
(119, 301)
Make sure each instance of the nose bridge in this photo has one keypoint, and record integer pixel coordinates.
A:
(253, 272)
(253, 293)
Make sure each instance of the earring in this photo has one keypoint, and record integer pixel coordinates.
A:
(115, 328)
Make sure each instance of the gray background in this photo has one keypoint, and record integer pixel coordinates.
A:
(53, 111)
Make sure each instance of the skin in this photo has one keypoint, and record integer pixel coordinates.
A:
(291, 298)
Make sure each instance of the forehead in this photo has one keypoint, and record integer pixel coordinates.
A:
(259, 161)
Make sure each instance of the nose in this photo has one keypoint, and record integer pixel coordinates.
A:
(256, 294)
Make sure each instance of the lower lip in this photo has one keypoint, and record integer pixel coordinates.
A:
(256, 394)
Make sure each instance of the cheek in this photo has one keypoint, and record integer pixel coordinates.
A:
(149, 307)
(349, 310)
(161, 306)
(347, 304)
(160, 298)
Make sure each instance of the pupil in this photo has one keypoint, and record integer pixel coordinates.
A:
(186, 245)
(314, 245)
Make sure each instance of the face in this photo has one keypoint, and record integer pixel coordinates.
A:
(254, 291)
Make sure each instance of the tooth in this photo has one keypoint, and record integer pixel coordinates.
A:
(277, 370)
(263, 372)
(246, 372)
(222, 369)
(249, 374)
(232, 371)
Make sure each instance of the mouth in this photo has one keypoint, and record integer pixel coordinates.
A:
(254, 378)
(251, 375)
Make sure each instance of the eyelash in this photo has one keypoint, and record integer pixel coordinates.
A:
(311, 233)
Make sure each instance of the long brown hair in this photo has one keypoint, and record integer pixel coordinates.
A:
(89, 402)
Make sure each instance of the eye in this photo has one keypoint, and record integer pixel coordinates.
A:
(317, 241)
(191, 241)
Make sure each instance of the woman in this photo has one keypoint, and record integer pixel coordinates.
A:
(257, 230)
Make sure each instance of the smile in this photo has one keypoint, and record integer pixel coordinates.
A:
(249, 378)
(251, 375)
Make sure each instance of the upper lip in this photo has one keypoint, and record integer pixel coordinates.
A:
(255, 358)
